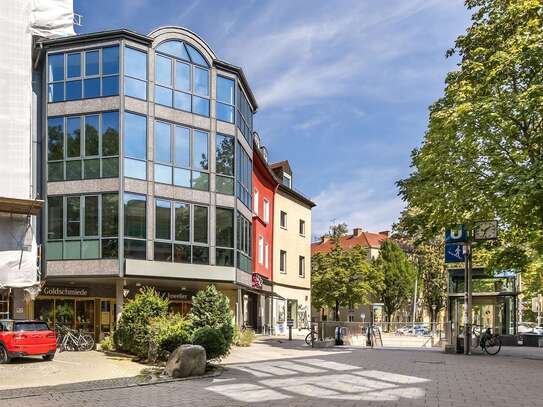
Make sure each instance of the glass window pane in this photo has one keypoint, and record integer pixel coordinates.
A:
(73, 216)
(90, 249)
(181, 253)
(163, 96)
(55, 67)
(135, 216)
(135, 169)
(135, 88)
(56, 92)
(200, 106)
(225, 90)
(91, 215)
(55, 218)
(55, 171)
(163, 219)
(182, 221)
(54, 250)
(225, 227)
(200, 224)
(91, 135)
(225, 113)
(135, 249)
(195, 55)
(163, 142)
(135, 63)
(91, 88)
(110, 60)
(200, 255)
(73, 137)
(135, 136)
(110, 133)
(200, 150)
(73, 66)
(73, 90)
(175, 48)
(110, 86)
(182, 101)
(182, 147)
(91, 168)
(225, 155)
(163, 73)
(200, 180)
(224, 185)
(110, 248)
(73, 169)
(92, 66)
(182, 76)
(163, 251)
(72, 250)
(181, 177)
(201, 81)
(224, 257)
(110, 214)
(110, 167)
(55, 133)
(163, 174)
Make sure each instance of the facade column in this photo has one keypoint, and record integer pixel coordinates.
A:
(119, 297)
(239, 309)
(18, 311)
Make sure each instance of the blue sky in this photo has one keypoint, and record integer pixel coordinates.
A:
(343, 86)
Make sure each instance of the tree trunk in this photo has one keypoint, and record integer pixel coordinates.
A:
(337, 311)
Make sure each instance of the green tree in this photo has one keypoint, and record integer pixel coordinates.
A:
(211, 308)
(482, 155)
(342, 277)
(398, 277)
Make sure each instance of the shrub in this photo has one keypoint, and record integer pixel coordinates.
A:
(213, 342)
(107, 343)
(133, 327)
(167, 333)
(211, 308)
(245, 338)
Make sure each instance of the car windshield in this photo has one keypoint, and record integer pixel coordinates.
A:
(30, 326)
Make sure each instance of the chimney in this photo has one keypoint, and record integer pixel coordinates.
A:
(385, 233)
(357, 232)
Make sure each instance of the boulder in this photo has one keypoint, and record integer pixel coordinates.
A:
(187, 360)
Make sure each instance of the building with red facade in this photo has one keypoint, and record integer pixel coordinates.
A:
(264, 185)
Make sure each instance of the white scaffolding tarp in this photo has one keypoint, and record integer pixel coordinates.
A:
(52, 18)
(18, 257)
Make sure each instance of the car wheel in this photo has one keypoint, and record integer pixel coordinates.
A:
(4, 357)
(49, 357)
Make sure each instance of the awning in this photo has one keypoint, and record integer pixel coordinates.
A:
(20, 206)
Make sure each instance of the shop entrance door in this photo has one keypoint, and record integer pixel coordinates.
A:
(250, 310)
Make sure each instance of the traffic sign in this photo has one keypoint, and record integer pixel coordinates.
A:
(456, 234)
(454, 253)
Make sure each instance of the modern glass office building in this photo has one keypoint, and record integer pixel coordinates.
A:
(147, 173)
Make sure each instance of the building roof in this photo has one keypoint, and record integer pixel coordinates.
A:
(358, 238)
(283, 165)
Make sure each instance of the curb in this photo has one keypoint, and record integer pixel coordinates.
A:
(218, 372)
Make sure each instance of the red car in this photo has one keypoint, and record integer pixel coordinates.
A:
(26, 338)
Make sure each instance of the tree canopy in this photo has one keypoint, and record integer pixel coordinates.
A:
(482, 155)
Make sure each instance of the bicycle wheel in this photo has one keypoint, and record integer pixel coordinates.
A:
(86, 342)
(309, 336)
(493, 345)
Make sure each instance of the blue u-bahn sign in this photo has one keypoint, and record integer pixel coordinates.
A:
(456, 234)
(454, 253)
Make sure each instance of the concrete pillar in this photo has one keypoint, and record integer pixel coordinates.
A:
(239, 309)
(18, 311)
(119, 297)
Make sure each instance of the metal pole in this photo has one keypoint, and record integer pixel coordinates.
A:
(467, 299)
(415, 297)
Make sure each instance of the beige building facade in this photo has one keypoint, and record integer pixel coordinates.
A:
(291, 254)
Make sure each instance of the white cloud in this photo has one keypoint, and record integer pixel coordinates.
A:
(359, 202)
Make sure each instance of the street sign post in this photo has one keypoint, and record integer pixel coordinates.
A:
(537, 307)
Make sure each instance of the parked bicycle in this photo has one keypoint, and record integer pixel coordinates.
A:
(489, 342)
(72, 340)
(311, 336)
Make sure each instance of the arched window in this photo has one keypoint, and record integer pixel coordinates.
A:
(182, 77)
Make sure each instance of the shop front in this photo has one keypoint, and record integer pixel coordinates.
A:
(256, 304)
(82, 308)
(290, 303)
